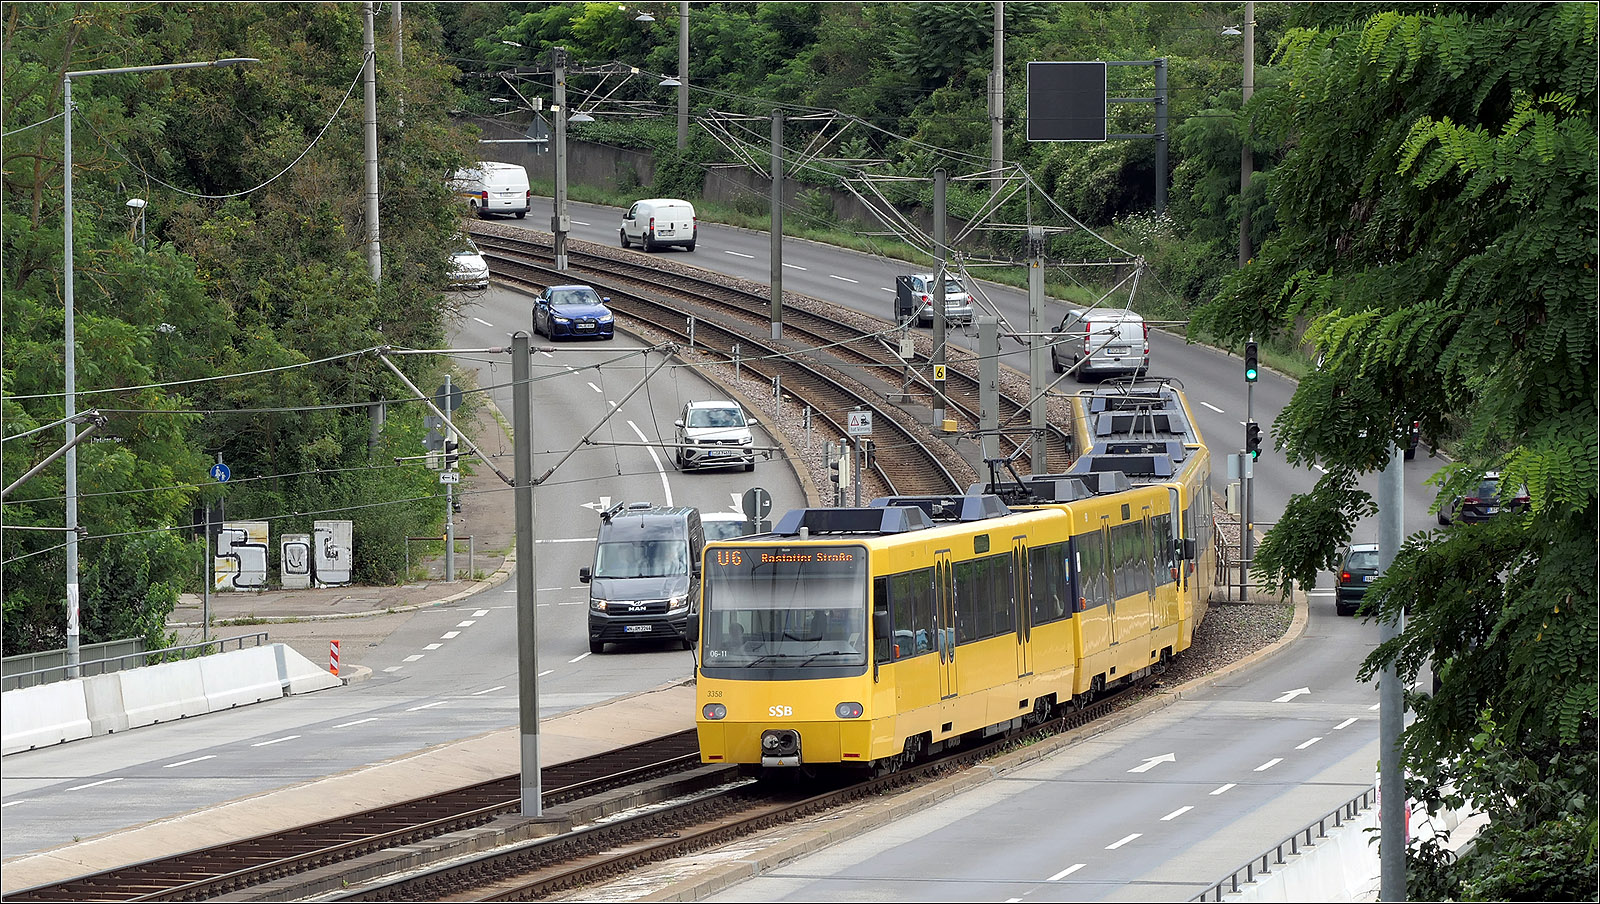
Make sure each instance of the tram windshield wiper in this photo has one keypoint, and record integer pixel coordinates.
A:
(760, 659)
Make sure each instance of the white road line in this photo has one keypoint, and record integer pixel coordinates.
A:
(11, 803)
(1066, 872)
(466, 624)
(1213, 407)
(548, 355)
(596, 388)
(738, 254)
(428, 705)
(568, 540)
(433, 646)
(886, 288)
(356, 722)
(1223, 789)
(581, 223)
(480, 613)
(1176, 813)
(392, 668)
(482, 321)
(450, 635)
(794, 266)
(1308, 743)
(547, 672)
(665, 487)
(1269, 764)
(844, 279)
(1374, 707)
(1345, 724)
(488, 690)
(580, 658)
(209, 756)
(104, 781)
(1119, 843)
(412, 658)
(572, 603)
(276, 740)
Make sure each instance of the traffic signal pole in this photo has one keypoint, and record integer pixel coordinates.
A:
(1247, 533)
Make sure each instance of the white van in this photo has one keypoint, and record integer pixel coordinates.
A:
(1104, 341)
(492, 187)
(656, 222)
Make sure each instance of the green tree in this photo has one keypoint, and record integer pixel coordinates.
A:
(1437, 209)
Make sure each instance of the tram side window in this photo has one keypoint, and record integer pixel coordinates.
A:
(969, 601)
(1002, 605)
(1166, 568)
(882, 644)
(1131, 561)
(1047, 583)
(1094, 579)
(909, 596)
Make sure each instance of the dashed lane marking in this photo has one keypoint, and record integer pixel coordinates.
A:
(1345, 724)
(428, 705)
(104, 781)
(488, 690)
(1213, 408)
(580, 658)
(1066, 872)
(1269, 764)
(209, 756)
(433, 646)
(450, 635)
(738, 254)
(1308, 743)
(1224, 789)
(1176, 813)
(275, 741)
(356, 722)
(1122, 841)
(844, 279)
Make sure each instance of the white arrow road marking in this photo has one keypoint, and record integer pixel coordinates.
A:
(1176, 813)
(1290, 695)
(602, 505)
(1066, 872)
(1152, 761)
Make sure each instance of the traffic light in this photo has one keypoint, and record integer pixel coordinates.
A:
(869, 453)
(1252, 440)
(1250, 367)
(450, 456)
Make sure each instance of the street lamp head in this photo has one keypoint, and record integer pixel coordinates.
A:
(1232, 30)
(509, 43)
(136, 203)
(669, 82)
(580, 117)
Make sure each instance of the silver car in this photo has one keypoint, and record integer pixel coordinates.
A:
(715, 434)
(914, 298)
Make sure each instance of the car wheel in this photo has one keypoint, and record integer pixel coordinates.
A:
(749, 466)
(689, 247)
(1055, 364)
(647, 242)
(597, 647)
(521, 214)
(622, 236)
(1342, 609)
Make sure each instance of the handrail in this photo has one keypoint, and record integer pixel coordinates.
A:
(1348, 810)
(221, 644)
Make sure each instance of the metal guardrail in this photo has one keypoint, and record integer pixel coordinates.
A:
(1263, 864)
(148, 657)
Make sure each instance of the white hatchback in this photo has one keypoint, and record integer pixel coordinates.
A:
(468, 269)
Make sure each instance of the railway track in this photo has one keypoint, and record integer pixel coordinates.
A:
(213, 871)
(541, 867)
(865, 354)
(914, 468)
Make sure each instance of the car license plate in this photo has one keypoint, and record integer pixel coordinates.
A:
(585, 326)
(1366, 579)
(664, 232)
(1117, 350)
(1492, 510)
(637, 629)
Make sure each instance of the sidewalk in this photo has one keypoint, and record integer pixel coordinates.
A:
(358, 615)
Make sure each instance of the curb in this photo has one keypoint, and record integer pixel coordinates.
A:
(909, 802)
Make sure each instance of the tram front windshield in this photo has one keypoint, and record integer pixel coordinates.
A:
(777, 607)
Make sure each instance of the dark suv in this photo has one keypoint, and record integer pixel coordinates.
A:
(1483, 503)
(1358, 567)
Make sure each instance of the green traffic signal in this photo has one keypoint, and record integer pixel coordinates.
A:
(1250, 367)
(1252, 440)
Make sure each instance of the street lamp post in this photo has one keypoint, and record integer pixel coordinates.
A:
(138, 204)
(70, 357)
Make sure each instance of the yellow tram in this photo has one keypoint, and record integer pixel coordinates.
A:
(876, 635)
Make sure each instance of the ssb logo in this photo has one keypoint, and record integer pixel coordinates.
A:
(779, 712)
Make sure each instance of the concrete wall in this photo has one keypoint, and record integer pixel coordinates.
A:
(80, 707)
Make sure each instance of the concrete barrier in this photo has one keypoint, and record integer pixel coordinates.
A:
(44, 715)
(299, 675)
(240, 677)
(103, 696)
(162, 693)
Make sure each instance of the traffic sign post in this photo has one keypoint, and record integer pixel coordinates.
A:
(757, 505)
(860, 423)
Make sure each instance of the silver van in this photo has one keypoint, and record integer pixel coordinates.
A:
(659, 222)
(1101, 342)
(645, 583)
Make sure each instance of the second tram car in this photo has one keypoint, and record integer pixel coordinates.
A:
(877, 635)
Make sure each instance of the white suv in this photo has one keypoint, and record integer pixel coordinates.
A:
(715, 434)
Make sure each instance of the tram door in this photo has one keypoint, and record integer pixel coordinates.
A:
(1112, 626)
(1024, 611)
(944, 621)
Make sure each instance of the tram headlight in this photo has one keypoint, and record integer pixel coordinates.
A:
(714, 711)
(848, 710)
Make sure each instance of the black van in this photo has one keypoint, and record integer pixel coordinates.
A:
(645, 583)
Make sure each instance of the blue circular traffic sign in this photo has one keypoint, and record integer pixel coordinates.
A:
(220, 472)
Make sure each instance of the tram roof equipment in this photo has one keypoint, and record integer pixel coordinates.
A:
(895, 519)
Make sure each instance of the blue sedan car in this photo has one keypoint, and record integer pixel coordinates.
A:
(573, 312)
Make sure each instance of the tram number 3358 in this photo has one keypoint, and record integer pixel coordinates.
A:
(778, 712)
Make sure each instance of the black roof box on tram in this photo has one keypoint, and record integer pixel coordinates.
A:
(882, 520)
(977, 506)
(1038, 490)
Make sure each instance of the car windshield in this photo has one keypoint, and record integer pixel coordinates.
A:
(1362, 560)
(789, 607)
(579, 297)
(1488, 489)
(716, 417)
(726, 530)
(462, 245)
(951, 287)
(642, 559)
